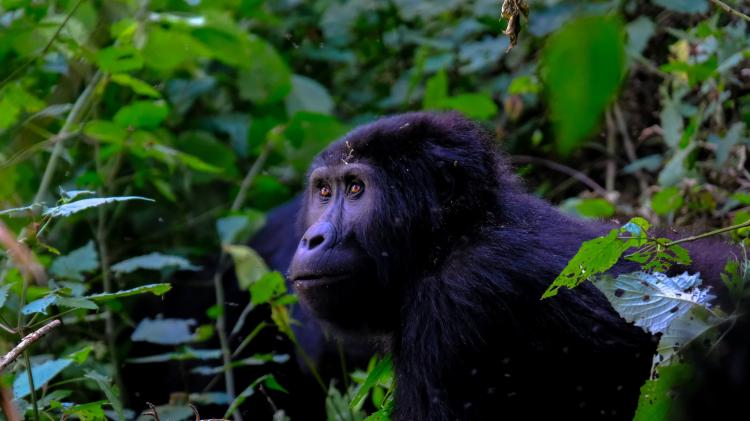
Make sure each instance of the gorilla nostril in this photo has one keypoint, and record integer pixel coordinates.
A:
(315, 241)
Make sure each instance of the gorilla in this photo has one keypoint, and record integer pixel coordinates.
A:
(414, 233)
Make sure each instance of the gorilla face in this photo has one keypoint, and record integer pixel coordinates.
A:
(331, 271)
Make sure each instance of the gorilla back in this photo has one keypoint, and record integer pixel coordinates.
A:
(416, 229)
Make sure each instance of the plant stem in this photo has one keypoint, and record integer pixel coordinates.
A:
(32, 388)
(708, 234)
(78, 108)
(727, 8)
(221, 328)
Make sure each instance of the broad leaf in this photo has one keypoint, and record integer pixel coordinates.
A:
(105, 385)
(185, 354)
(381, 373)
(42, 374)
(76, 263)
(654, 300)
(582, 66)
(164, 331)
(267, 287)
(248, 265)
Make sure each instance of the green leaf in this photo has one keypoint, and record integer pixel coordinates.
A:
(235, 229)
(595, 208)
(657, 396)
(675, 170)
(138, 86)
(91, 411)
(81, 205)
(308, 95)
(39, 306)
(436, 89)
(81, 355)
(154, 261)
(267, 78)
(41, 373)
(667, 200)
(105, 131)
(119, 59)
(248, 265)
(526, 84)
(599, 255)
(478, 106)
(267, 287)
(583, 65)
(382, 372)
(105, 385)
(76, 263)
(156, 289)
(164, 331)
(142, 115)
(672, 123)
(167, 49)
(273, 384)
(639, 33)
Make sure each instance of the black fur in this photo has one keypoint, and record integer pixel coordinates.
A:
(464, 255)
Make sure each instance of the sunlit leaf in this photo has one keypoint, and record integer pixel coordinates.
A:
(41, 373)
(142, 115)
(81, 205)
(156, 289)
(248, 264)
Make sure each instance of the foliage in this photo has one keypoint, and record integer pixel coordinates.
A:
(169, 128)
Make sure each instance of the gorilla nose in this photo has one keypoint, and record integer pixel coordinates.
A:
(321, 234)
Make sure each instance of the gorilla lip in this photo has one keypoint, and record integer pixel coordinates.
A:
(318, 279)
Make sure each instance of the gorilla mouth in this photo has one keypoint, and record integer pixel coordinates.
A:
(318, 279)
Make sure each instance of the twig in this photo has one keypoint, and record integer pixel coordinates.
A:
(72, 118)
(611, 169)
(26, 342)
(9, 409)
(708, 234)
(23, 257)
(250, 176)
(583, 178)
(628, 145)
(46, 47)
(221, 328)
(727, 8)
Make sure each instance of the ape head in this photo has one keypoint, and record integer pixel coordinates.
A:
(383, 206)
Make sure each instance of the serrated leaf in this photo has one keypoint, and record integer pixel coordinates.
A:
(74, 264)
(156, 289)
(41, 373)
(236, 229)
(154, 261)
(4, 294)
(39, 306)
(81, 205)
(185, 354)
(654, 300)
(248, 265)
(164, 331)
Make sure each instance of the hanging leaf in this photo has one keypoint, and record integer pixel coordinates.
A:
(164, 331)
(76, 263)
(154, 261)
(248, 265)
(156, 289)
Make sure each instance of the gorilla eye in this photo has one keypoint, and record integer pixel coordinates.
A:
(356, 187)
(325, 192)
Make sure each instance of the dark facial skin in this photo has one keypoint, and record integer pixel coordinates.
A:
(330, 268)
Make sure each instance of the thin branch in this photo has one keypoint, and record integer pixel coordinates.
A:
(26, 342)
(727, 8)
(708, 234)
(78, 108)
(628, 145)
(250, 176)
(583, 178)
(611, 169)
(46, 47)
